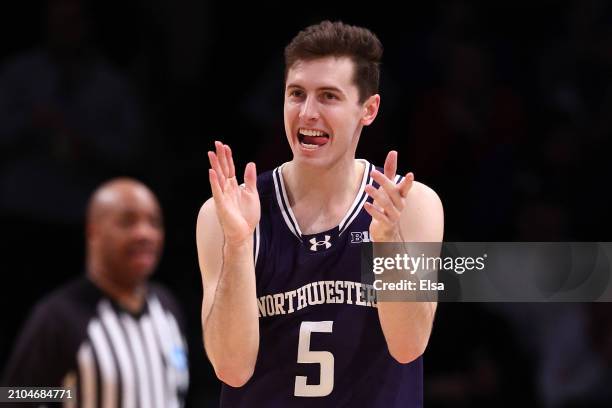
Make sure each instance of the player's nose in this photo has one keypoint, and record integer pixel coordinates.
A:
(309, 110)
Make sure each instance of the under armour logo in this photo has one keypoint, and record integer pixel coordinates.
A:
(316, 243)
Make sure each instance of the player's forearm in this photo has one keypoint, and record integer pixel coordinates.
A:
(407, 327)
(406, 323)
(231, 331)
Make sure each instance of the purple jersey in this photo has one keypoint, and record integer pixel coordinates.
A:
(321, 343)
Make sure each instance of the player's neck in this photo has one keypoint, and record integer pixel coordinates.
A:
(311, 183)
(320, 197)
(131, 298)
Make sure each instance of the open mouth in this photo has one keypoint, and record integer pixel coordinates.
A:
(312, 139)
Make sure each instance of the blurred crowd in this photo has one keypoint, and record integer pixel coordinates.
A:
(503, 108)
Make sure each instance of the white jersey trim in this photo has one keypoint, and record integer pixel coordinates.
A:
(283, 202)
(360, 199)
(352, 212)
(257, 239)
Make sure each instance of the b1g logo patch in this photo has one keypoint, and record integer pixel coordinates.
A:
(359, 237)
(317, 245)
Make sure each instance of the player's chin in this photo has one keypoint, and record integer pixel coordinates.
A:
(312, 159)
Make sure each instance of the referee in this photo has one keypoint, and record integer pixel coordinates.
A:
(111, 335)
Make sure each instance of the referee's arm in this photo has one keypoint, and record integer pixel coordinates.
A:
(37, 359)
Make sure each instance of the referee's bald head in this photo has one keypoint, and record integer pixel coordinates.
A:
(109, 194)
(124, 230)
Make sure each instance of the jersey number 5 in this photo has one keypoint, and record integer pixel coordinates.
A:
(324, 358)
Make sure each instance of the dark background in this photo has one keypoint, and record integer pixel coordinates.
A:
(502, 107)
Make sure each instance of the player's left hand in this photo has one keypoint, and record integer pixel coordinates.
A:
(389, 201)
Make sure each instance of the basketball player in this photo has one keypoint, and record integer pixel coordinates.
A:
(111, 336)
(286, 319)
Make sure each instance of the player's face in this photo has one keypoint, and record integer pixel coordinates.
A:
(323, 116)
(130, 236)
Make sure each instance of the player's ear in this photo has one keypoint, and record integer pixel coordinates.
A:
(370, 109)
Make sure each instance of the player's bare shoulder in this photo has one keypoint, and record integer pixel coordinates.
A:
(207, 225)
(424, 219)
(421, 194)
(207, 210)
(209, 236)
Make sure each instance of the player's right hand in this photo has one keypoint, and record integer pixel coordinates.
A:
(237, 206)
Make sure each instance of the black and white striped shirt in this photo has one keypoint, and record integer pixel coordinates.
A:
(78, 337)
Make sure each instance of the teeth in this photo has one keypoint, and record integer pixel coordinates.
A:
(309, 146)
(310, 132)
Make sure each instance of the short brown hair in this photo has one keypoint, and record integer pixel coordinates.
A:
(340, 40)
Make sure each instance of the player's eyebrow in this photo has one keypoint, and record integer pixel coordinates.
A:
(323, 88)
(331, 89)
(291, 86)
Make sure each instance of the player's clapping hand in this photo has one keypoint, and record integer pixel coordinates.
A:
(389, 201)
(237, 206)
